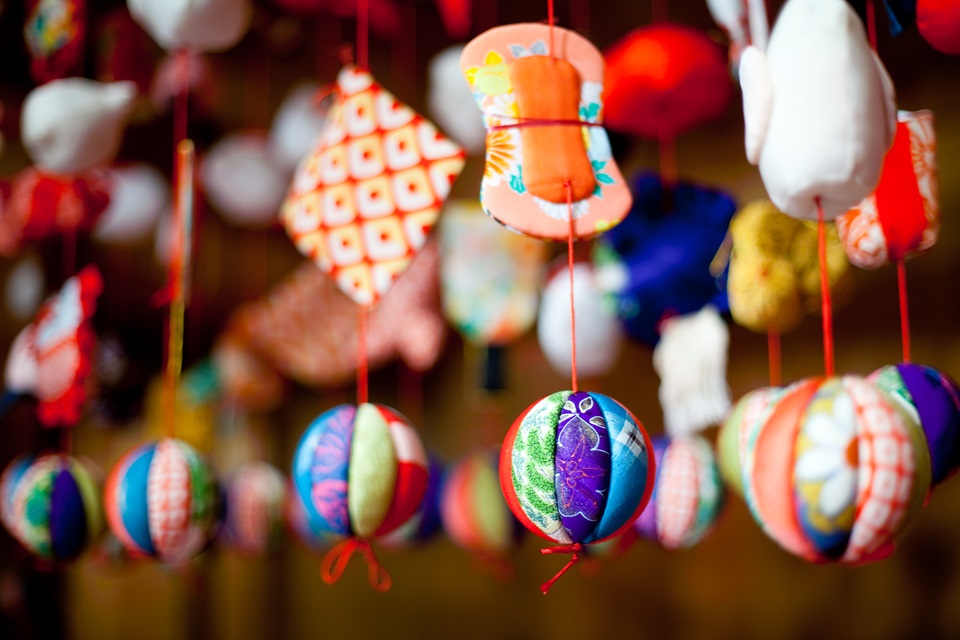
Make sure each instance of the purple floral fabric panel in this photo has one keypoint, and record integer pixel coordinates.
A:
(582, 465)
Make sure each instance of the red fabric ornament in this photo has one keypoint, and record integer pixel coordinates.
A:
(939, 23)
(664, 79)
(40, 205)
(54, 32)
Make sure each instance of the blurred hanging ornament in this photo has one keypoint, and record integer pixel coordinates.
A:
(902, 216)
(55, 31)
(138, 195)
(296, 126)
(51, 505)
(51, 358)
(833, 471)
(687, 496)
(246, 381)
(475, 516)
(361, 472)
(24, 288)
(490, 277)
(599, 333)
(190, 72)
(193, 25)
(545, 144)
(195, 412)
(243, 181)
(306, 329)
(576, 468)
(664, 79)
(72, 125)
(932, 399)
(819, 110)
(364, 201)
(450, 101)
(939, 23)
(254, 514)
(425, 523)
(739, 430)
(161, 500)
(774, 276)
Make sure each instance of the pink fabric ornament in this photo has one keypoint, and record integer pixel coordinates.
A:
(242, 180)
(902, 216)
(138, 195)
(364, 201)
(256, 497)
(819, 109)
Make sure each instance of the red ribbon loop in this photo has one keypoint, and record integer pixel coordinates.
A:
(538, 122)
(573, 549)
(335, 561)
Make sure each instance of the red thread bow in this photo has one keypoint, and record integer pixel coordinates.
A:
(337, 558)
(574, 549)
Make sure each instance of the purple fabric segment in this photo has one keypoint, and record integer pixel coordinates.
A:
(646, 524)
(582, 465)
(68, 518)
(320, 470)
(937, 400)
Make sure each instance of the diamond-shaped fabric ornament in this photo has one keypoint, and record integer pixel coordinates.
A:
(364, 200)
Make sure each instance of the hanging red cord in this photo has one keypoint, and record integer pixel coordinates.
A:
(904, 309)
(363, 34)
(773, 356)
(336, 560)
(871, 25)
(550, 22)
(826, 307)
(668, 161)
(571, 237)
(362, 364)
(573, 549)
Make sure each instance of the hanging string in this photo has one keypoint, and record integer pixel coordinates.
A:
(826, 307)
(362, 363)
(871, 25)
(571, 237)
(668, 161)
(773, 356)
(904, 309)
(336, 560)
(573, 549)
(363, 34)
(550, 22)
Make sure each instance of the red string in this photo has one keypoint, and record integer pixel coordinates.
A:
(668, 161)
(826, 307)
(550, 22)
(773, 354)
(904, 309)
(362, 364)
(571, 235)
(537, 122)
(363, 34)
(336, 560)
(871, 25)
(573, 549)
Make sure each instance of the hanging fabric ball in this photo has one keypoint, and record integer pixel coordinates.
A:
(740, 428)
(939, 23)
(902, 216)
(51, 505)
(664, 79)
(819, 110)
(296, 126)
(576, 468)
(69, 126)
(243, 181)
(193, 25)
(295, 514)
(361, 471)
(425, 523)
(254, 515)
(599, 333)
(836, 471)
(138, 195)
(774, 276)
(450, 101)
(687, 496)
(931, 398)
(162, 500)
(475, 516)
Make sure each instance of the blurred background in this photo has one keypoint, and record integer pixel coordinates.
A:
(735, 584)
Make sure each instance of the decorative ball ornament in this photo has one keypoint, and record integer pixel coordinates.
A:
(162, 501)
(576, 468)
(687, 496)
(360, 472)
(254, 518)
(741, 424)
(931, 398)
(938, 21)
(832, 470)
(51, 505)
(474, 513)
(425, 523)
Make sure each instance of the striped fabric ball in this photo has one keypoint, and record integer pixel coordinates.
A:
(51, 505)
(424, 525)
(162, 500)
(577, 468)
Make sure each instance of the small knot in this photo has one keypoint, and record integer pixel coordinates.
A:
(337, 558)
(573, 549)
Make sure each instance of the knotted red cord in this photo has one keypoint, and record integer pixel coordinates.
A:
(333, 564)
(573, 549)
(826, 307)
(773, 356)
(537, 122)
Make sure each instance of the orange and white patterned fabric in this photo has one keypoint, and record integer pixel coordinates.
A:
(902, 216)
(364, 201)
